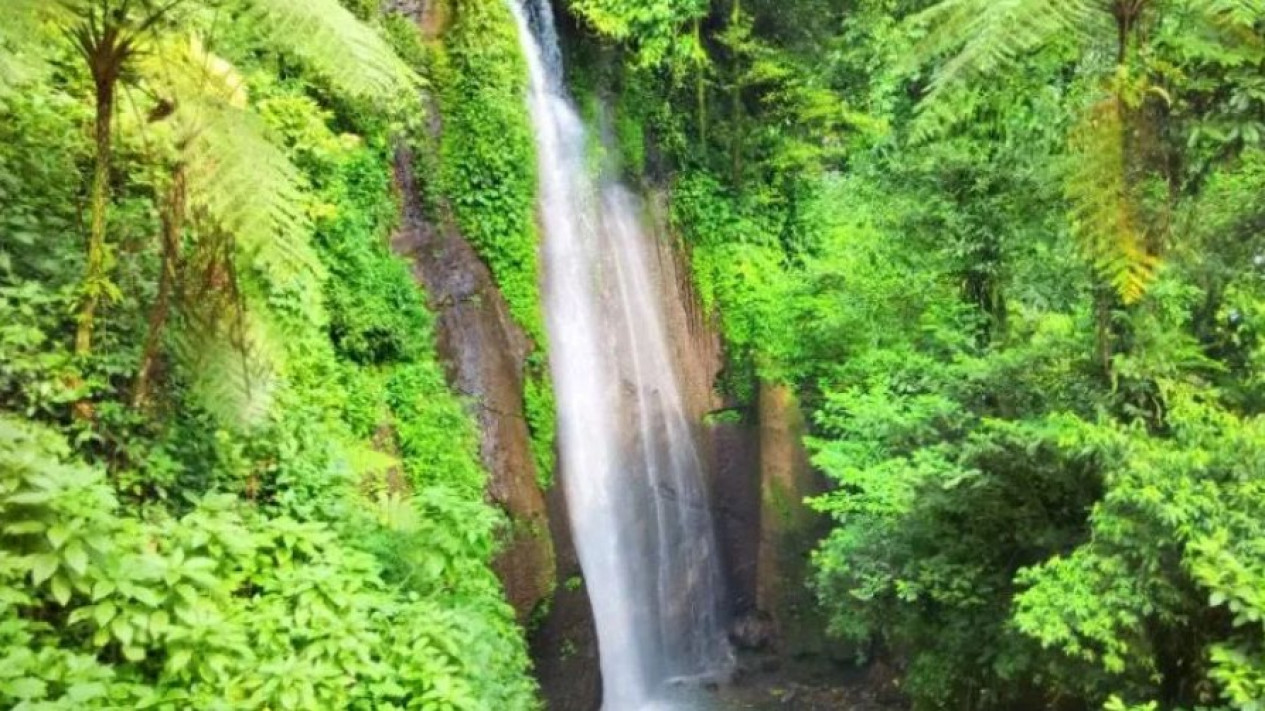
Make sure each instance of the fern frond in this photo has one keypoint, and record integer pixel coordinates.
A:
(983, 37)
(398, 512)
(245, 186)
(1104, 215)
(1241, 13)
(1229, 35)
(333, 42)
(247, 214)
(240, 184)
(232, 360)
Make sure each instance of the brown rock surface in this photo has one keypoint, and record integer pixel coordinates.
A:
(788, 529)
(483, 351)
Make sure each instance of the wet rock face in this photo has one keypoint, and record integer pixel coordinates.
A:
(789, 530)
(563, 638)
(730, 449)
(759, 474)
(735, 456)
(693, 337)
(483, 352)
(754, 632)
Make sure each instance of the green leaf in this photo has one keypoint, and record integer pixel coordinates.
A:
(76, 557)
(103, 612)
(42, 567)
(79, 615)
(86, 692)
(22, 528)
(57, 535)
(122, 630)
(26, 688)
(148, 597)
(30, 498)
(61, 589)
(179, 660)
(102, 588)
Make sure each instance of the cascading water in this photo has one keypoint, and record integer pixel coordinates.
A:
(630, 467)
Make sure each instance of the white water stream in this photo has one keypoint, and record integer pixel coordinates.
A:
(630, 467)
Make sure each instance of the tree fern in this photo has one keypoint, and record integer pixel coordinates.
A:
(232, 355)
(326, 36)
(332, 42)
(241, 185)
(245, 203)
(1104, 214)
(246, 208)
(986, 37)
(982, 37)
(1243, 13)
(245, 187)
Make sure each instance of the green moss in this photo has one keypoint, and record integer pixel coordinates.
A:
(486, 153)
(630, 132)
(541, 412)
(540, 613)
(724, 417)
(406, 39)
(777, 499)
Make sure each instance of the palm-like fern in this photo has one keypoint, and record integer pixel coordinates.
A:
(332, 42)
(978, 38)
(322, 33)
(240, 184)
(1104, 214)
(231, 352)
(1243, 13)
(245, 207)
(981, 37)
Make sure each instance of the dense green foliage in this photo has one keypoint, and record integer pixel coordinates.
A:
(251, 488)
(487, 157)
(1009, 253)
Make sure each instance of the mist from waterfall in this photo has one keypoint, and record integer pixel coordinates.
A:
(630, 466)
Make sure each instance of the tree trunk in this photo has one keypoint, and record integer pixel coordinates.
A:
(736, 141)
(172, 217)
(105, 73)
(1104, 337)
(700, 90)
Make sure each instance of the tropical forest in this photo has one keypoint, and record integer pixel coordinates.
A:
(632, 355)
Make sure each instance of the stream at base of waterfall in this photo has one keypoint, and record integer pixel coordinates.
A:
(630, 467)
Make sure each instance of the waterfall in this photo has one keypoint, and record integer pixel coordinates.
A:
(630, 467)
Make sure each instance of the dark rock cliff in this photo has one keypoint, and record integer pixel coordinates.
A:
(758, 471)
(563, 639)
